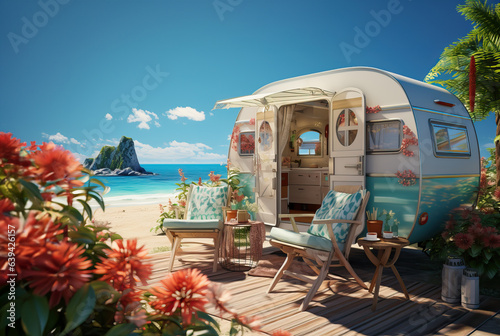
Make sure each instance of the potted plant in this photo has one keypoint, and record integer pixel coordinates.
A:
(373, 224)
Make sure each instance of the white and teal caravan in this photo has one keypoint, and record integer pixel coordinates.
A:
(412, 145)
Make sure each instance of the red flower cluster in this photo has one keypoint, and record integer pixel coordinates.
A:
(181, 173)
(185, 290)
(235, 137)
(47, 264)
(60, 269)
(375, 109)
(237, 197)
(406, 178)
(214, 178)
(409, 139)
(124, 267)
(50, 166)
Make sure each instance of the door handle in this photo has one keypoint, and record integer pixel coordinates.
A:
(358, 166)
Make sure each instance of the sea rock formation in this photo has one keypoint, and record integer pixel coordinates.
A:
(117, 161)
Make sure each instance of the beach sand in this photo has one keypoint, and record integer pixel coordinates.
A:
(135, 222)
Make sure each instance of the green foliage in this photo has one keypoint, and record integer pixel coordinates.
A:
(489, 193)
(472, 235)
(105, 154)
(483, 42)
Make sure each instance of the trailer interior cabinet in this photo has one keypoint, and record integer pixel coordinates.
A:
(305, 186)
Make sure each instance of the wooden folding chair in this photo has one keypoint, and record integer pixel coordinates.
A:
(203, 218)
(329, 239)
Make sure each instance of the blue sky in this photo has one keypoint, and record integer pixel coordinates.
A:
(82, 73)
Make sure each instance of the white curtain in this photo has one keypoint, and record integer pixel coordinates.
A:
(287, 113)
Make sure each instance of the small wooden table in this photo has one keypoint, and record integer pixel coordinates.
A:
(385, 247)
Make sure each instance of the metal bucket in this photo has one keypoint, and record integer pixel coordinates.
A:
(452, 278)
(470, 288)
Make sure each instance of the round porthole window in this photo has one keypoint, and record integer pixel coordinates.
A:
(347, 127)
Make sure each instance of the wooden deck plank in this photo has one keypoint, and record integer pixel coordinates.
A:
(472, 319)
(341, 307)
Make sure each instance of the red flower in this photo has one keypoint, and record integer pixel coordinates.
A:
(495, 241)
(124, 266)
(28, 241)
(237, 197)
(280, 332)
(59, 269)
(181, 173)
(10, 148)
(476, 230)
(489, 230)
(6, 206)
(54, 163)
(184, 290)
(464, 240)
(218, 297)
(214, 178)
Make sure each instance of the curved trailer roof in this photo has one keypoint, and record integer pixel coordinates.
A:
(417, 92)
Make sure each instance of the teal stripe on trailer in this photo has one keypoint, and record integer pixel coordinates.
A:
(440, 195)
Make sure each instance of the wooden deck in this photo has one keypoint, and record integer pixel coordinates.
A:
(342, 307)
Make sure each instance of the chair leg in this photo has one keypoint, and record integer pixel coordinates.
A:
(281, 271)
(319, 280)
(349, 268)
(175, 246)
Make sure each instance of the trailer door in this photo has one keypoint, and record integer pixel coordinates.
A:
(347, 139)
(267, 170)
(267, 166)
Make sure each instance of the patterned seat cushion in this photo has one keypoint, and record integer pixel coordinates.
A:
(337, 205)
(172, 223)
(206, 202)
(303, 239)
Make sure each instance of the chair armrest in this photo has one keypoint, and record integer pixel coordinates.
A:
(292, 219)
(331, 221)
(295, 215)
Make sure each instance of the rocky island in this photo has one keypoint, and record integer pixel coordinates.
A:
(117, 161)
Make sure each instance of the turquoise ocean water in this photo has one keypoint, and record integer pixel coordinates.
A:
(153, 189)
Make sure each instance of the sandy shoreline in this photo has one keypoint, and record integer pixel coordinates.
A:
(134, 222)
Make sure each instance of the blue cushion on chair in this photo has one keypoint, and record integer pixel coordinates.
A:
(206, 202)
(172, 223)
(337, 205)
(303, 239)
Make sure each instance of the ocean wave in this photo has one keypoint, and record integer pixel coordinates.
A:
(137, 199)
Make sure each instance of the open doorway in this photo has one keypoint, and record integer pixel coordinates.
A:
(304, 156)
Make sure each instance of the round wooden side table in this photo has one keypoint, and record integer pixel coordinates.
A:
(241, 246)
(383, 259)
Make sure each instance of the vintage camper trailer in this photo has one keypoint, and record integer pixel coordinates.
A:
(412, 145)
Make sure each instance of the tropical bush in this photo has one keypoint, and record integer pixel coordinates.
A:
(65, 274)
(474, 234)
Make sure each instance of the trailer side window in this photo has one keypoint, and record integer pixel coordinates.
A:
(384, 136)
(450, 139)
(247, 143)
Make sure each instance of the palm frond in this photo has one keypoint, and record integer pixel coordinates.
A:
(486, 20)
